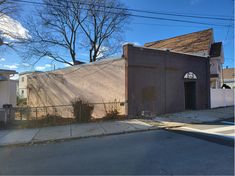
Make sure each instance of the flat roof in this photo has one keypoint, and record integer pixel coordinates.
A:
(105, 60)
(29, 72)
(3, 71)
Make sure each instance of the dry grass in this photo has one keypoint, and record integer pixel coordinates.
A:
(44, 122)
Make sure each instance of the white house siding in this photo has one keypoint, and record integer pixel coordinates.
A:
(13, 95)
(230, 83)
(23, 86)
(4, 92)
(222, 97)
(99, 82)
(7, 92)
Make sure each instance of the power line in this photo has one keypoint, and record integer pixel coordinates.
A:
(133, 15)
(153, 12)
(176, 20)
(158, 24)
(164, 13)
(230, 25)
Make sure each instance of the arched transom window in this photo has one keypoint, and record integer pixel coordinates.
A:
(190, 75)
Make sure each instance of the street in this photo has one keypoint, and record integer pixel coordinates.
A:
(152, 152)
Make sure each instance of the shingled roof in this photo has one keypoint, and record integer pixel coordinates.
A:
(229, 73)
(197, 43)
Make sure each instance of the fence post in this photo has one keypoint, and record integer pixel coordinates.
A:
(80, 112)
(54, 110)
(46, 110)
(36, 113)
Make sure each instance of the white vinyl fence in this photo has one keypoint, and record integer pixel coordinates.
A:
(222, 97)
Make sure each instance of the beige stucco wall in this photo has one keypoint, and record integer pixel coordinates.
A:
(99, 82)
(13, 96)
(4, 93)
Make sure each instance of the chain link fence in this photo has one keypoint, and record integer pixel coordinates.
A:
(58, 112)
(35, 113)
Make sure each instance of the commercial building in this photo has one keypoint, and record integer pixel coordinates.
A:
(144, 80)
(199, 43)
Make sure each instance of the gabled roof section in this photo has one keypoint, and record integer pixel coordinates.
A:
(196, 43)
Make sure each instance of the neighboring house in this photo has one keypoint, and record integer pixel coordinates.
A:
(216, 62)
(229, 77)
(199, 43)
(22, 88)
(143, 80)
(7, 88)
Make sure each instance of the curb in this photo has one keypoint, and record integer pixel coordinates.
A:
(184, 123)
(209, 137)
(75, 137)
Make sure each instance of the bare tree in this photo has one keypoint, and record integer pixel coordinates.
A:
(8, 9)
(63, 29)
(103, 27)
(54, 33)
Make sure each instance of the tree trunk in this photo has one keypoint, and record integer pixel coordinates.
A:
(76, 62)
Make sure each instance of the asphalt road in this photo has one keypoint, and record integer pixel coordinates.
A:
(152, 152)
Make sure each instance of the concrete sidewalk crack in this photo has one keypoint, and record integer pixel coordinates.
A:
(35, 134)
(105, 132)
(70, 130)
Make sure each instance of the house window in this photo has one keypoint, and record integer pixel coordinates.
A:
(22, 79)
(22, 92)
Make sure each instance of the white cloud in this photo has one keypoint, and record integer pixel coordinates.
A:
(48, 65)
(25, 64)
(12, 29)
(2, 59)
(13, 66)
(102, 50)
(42, 68)
(67, 65)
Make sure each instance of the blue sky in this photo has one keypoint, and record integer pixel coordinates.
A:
(142, 30)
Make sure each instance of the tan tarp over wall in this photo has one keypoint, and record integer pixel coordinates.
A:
(99, 82)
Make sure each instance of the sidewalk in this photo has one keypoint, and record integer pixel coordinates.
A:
(189, 117)
(56, 133)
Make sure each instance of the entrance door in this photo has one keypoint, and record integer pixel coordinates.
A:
(190, 95)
